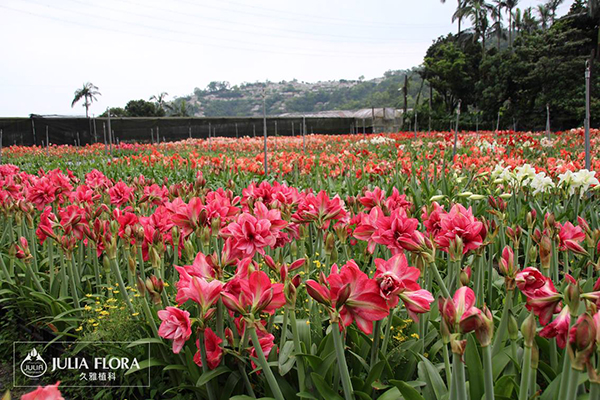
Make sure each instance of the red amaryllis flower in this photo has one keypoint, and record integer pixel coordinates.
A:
(570, 237)
(202, 267)
(399, 281)
(254, 295)
(42, 192)
(350, 295)
(320, 209)
(392, 231)
(214, 352)
(190, 217)
(459, 313)
(432, 218)
(49, 392)
(250, 235)
(542, 297)
(460, 223)
(367, 227)
(559, 327)
(73, 220)
(120, 194)
(199, 290)
(583, 340)
(176, 326)
(46, 226)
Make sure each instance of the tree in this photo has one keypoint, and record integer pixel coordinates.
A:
(179, 108)
(456, 16)
(160, 99)
(545, 15)
(143, 108)
(509, 5)
(88, 92)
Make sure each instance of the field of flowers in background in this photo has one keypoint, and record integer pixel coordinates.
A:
(361, 267)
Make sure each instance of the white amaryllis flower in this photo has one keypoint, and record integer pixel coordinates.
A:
(541, 183)
(524, 173)
(578, 182)
(503, 174)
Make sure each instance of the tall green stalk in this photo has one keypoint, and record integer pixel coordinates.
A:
(525, 374)
(341, 358)
(209, 388)
(440, 281)
(298, 350)
(388, 330)
(459, 378)
(488, 379)
(262, 361)
(499, 339)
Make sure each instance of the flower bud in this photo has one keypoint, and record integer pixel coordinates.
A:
(513, 327)
(528, 330)
(329, 243)
(465, 276)
(545, 251)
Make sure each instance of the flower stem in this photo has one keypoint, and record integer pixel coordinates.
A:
(459, 377)
(375, 345)
(440, 281)
(388, 330)
(122, 289)
(341, 358)
(298, 349)
(209, 388)
(283, 337)
(499, 340)
(594, 391)
(573, 384)
(525, 373)
(265, 365)
(447, 365)
(487, 373)
(564, 379)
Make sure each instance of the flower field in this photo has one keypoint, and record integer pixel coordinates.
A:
(364, 266)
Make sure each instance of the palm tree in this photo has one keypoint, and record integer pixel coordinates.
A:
(510, 4)
(545, 15)
(179, 109)
(553, 6)
(497, 17)
(478, 11)
(456, 15)
(160, 99)
(517, 21)
(529, 23)
(88, 92)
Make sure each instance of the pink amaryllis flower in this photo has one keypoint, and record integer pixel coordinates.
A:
(120, 194)
(542, 297)
(559, 327)
(392, 231)
(432, 218)
(570, 237)
(254, 295)
(49, 392)
(250, 235)
(320, 209)
(350, 295)
(367, 226)
(175, 326)
(189, 217)
(460, 223)
(459, 313)
(199, 290)
(214, 351)
(399, 281)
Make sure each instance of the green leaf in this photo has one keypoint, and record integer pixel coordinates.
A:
(175, 367)
(433, 378)
(306, 395)
(286, 359)
(324, 388)
(374, 374)
(392, 394)
(146, 341)
(505, 386)
(407, 391)
(149, 363)
(475, 368)
(208, 376)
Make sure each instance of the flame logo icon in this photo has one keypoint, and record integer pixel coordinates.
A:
(33, 365)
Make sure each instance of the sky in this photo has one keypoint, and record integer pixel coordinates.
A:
(133, 49)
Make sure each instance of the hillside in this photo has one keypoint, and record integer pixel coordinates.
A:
(222, 99)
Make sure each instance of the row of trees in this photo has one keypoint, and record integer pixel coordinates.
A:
(512, 74)
(156, 107)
